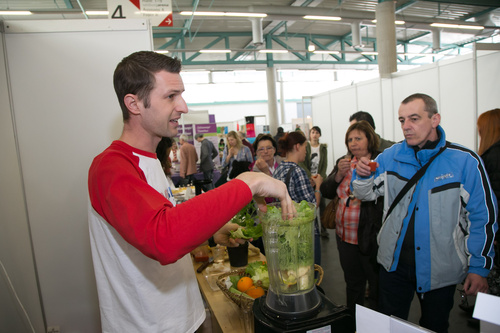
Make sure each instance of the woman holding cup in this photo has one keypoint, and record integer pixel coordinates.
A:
(354, 219)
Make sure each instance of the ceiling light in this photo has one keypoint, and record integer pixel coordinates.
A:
(202, 13)
(97, 12)
(161, 51)
(326, 18)
(398, 22)
(311, 47)
(326, 52)
(215, 51)
(369, 53)
(246, 14)
(457, 26)
(273, 51)
(228, 14)
(15, 12)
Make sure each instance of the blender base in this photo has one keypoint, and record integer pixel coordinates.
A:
(330, 315)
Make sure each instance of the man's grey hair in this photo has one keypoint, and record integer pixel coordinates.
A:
(430, 103)
(183, 137)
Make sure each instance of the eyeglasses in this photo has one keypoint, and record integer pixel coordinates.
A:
(260, 150)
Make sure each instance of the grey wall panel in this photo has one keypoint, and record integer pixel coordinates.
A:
(66, 113)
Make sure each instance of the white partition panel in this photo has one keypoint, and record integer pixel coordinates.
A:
(390, 113)
(457, 111)
(370, 100)
(16, 254)
(488, 80)
(343, 104)
(65, 112)
(322, 115)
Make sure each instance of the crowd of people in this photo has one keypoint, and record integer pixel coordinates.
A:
(430, 205)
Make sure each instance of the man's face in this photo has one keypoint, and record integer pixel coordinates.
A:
(200, 139)
(417, 127)
(161, 118)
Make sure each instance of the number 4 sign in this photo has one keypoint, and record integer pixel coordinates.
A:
(159, 12)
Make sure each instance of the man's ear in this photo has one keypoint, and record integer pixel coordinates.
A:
(131, 104)
(436, 119)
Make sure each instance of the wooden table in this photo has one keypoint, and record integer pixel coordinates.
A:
(226, 315)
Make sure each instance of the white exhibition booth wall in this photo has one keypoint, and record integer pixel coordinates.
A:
(452, 83)
(62, 112)
(59, 110)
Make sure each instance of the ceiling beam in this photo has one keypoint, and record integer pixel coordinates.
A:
(486, 3)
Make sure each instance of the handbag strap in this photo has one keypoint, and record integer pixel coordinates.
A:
(289, 175)
(413, 181)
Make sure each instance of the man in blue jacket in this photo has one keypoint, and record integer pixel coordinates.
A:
(441, 232)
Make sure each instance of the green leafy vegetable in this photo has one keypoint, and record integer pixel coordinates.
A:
(248, 232)
(258, 272)
(245, 218)
(295, 244)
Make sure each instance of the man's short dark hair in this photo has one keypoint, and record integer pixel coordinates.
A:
(363, 115)
(135, 75)
(198, 135)
(430, 103)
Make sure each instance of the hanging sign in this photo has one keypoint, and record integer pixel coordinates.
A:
(159, 12)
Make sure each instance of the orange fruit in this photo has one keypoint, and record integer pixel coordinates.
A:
(244, 284)
(255, 292)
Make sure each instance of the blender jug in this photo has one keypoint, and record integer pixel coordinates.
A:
(289, 246)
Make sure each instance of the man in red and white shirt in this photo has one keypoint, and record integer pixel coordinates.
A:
(140, 240)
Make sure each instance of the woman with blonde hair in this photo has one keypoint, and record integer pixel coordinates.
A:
(235, 151)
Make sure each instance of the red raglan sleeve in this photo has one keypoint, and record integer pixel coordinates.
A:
(147, 220)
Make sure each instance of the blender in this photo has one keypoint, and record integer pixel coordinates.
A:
(293, 303)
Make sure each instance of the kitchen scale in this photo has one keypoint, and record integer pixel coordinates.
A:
(293, 303)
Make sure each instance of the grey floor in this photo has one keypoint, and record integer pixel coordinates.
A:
(334, 286)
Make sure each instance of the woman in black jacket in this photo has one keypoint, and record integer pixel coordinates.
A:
(357, 222)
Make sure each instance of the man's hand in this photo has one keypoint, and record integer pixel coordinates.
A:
(363, 167)
(263, 186)
(222, 236)
(475, 283)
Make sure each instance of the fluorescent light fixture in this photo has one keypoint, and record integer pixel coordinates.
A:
(311, 48)
(215, 51)
(326, 52)
(15, 12)
(325, 18)
(202, 13)
(369, 53)
(151, 12)
(457, 26)
(246, 14)
(97, 12)
(398, 22)
(161, 51)
(228, 14)
(273, 51)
